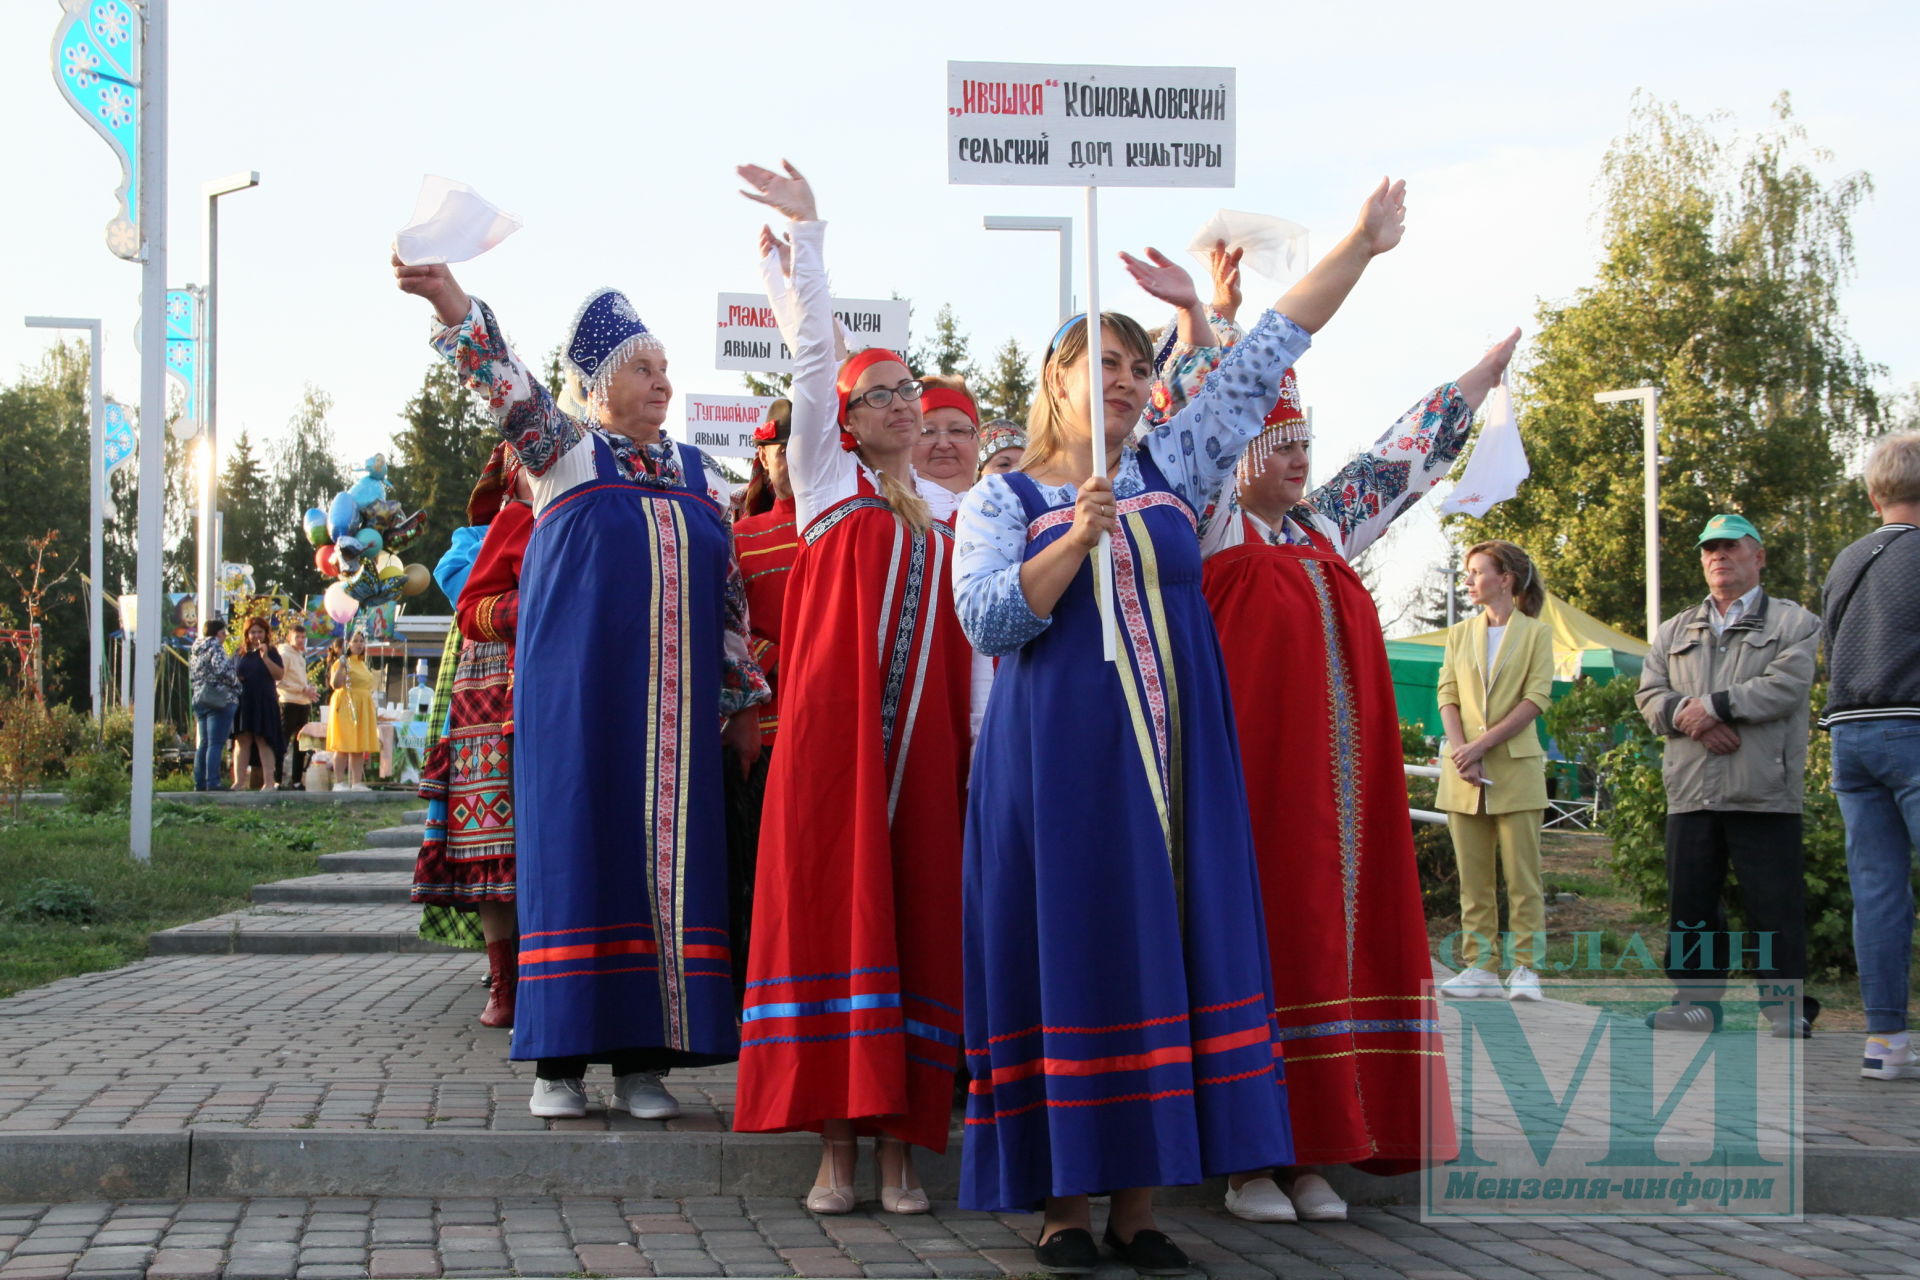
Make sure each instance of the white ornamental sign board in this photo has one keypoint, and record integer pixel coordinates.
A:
(1039, 125)
(724, 425)
(747, 337)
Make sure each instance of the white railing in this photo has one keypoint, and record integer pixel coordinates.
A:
(1425, 815)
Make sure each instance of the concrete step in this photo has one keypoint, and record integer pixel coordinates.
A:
(344, 888)
(298, 929)
(407, 837)
(277, 799)
(369, 860)
(414, 815)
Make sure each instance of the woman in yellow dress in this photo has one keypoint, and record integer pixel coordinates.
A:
(352, 730)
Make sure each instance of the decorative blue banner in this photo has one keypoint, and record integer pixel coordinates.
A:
(183, 356)
(119, 442)
(96, 63)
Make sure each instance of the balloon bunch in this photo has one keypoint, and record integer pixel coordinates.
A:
(359, 538)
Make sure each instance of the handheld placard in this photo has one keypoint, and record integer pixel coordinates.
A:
(1027, 124)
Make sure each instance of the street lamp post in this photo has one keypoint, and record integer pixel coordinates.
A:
(97, 493)
(1064, 226)
(1649, 398)
(207, 566)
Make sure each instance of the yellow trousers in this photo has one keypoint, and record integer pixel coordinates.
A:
(1517, 836)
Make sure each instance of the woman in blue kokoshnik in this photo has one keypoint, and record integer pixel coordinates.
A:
(632, 669)
(1118, 995)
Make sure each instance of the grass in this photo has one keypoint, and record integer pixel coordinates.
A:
(73, 901)
(1576, 863)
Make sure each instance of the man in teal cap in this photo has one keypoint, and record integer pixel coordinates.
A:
(1727, 686)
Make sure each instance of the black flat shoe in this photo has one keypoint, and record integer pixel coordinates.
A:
(1150, 1253)
(1068, 1252)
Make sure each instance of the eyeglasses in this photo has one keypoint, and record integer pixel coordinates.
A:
(881, 397)
(949, 433)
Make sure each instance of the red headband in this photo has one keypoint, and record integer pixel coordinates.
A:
(948, 398)
(768, 432)
(856, 365)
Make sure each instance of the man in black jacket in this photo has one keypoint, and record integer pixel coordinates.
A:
(1872, 610)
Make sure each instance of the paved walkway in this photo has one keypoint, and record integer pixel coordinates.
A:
(389, 1239)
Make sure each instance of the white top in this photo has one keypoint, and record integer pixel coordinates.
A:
(821, 471)
(1494, 636)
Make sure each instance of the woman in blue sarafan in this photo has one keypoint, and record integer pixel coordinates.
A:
(1118, 998)
(632, 669)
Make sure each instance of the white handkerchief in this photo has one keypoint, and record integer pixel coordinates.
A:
(1275, 248)
(1499, 463)
(451, 223)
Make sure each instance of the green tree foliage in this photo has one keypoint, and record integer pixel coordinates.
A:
(1005, 390)
(44, 440)
(249, 520)
(1719, 285)
(306, 472)
(946, 351)
(436, 457)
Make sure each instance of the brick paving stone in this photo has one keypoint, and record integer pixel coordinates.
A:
(402, 1264)
(186, 1264)
(821, 1262)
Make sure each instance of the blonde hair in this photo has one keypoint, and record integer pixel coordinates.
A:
(1046, 419)
(1529, 592)
(905, 501)
(1893, 469)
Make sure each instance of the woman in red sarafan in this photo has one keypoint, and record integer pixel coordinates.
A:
(472, 866)
(1320, 743)
(852, 1018)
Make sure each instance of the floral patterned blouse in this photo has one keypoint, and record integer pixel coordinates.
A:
(1196, 449)
(549, 442)
(1367, 495)
(210, 666)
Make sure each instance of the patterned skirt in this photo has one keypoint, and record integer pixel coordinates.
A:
(472, 766)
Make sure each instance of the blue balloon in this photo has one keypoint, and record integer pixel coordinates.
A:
(368, 491)
(343, 515)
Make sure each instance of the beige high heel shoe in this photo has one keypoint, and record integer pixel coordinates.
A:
(900, 1199)
(833, 1198)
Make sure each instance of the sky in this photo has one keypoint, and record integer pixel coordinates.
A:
(612, 130)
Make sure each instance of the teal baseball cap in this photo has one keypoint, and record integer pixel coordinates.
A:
(1729, 525)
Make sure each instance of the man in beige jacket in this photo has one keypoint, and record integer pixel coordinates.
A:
(1727, 686)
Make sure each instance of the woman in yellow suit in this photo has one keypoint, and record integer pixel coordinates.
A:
(353, 733)
(1497, 676)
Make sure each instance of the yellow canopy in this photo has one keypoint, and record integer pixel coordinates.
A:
(1575, 633)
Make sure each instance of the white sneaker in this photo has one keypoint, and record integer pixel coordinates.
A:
(1884, 1062)
(1471, 982)
(1260, 1200)
(1315, 1200)
(558, 1099)
(642, 1094)
(1523, 984)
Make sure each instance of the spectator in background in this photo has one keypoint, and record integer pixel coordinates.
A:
(297, 696)
(1003, 445)
(256, 726)
(216, 695)
(1872, 605)
(949, 434)
(1496, 679)
(1726, 685)
(353, 733)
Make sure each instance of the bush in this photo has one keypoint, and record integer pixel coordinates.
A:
(97, 781)
(1432, 846)
(56, 901)
(31, 744)
(1635, 818)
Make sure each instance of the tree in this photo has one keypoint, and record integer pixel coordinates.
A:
(437, 456)
(44, 443)
(306, 472)
(1006, 389)
(947, 351)
(248, 533)
(1718, 284)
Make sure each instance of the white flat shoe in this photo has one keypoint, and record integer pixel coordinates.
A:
(1471, 983)
(644, 1097)
(1261, 1200)
(558, 1099)
(1315, 1200)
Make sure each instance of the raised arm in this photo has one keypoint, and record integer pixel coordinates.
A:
(471, 341)
(818, 467)
(1382, 221)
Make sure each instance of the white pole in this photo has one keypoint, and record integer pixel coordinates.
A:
(1064, 227)
(1096, 388)
(208, 566)
(153, 415)
(96, 539)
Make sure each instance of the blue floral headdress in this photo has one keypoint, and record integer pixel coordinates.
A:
(606, 332)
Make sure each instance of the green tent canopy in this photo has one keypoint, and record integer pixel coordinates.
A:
(1582, 646)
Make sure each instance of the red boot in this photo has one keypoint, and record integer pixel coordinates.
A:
(503, 975)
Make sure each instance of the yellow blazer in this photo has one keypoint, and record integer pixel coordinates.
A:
(1523, 668)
